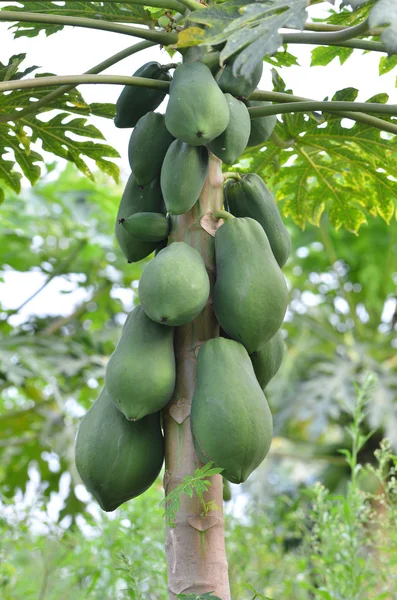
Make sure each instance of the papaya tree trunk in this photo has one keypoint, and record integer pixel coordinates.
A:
(195, 546)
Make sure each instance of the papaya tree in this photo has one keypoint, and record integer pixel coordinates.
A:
(213, 298)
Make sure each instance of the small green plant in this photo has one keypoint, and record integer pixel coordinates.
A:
(198, 483)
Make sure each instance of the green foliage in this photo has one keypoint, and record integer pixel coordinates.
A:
(198, 483)
(21, 134)
(247, 28)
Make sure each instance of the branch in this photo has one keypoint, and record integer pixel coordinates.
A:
(309, 26)
(321, 39)
(35, 106)
(79, 79)
(318, 105)
(191, 4)
(355, 116)
(147, 34)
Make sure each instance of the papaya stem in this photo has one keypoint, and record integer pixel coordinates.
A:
(223, 214)
(341, 35)
(79, 79)
(160, 37)
(112, 60)
(333, 105)
(169, 66)
(231, 175)
(192, 4)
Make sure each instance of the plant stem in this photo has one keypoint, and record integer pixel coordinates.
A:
(309, 26)
(160, 37)
(355, 116)
(192, 4)
(231, 175)
(319, 39)
(112, 60)
(83, 79)
(223, 214)
(318, 105)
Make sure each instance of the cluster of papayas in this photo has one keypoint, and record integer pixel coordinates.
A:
(119, 445)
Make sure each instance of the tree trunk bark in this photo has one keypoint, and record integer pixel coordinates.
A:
(195, 546)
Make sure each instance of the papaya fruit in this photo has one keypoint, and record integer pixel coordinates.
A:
(261, 128)
(230, 420)
(140, 374)
(134, 102)
(250, 197)
(149, 227)
(137, 199)
(267, 360)
(240, 86)
(147, 147)
(250, 294)
(117, 459)
(227, 492)
(183, 175)
(232, 142)
(174, 286)
(197, 111)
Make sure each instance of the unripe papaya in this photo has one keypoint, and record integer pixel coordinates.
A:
(183, 175)
(233, 141)
(134, 102)
(140, 374)
(230, 419)
(240, 86)
(227, 492)
(261, 128)
(147, 147)
(250, 197)
(117, 459)
(267, 360)
(197, 111)
(137, 199)
(250, 293)
(148, 226)
(174, 286)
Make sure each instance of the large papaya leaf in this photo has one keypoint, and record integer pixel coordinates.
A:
(251, 29)
(124, 12)
(18, 135)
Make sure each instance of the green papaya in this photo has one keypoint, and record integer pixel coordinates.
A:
(174, 286)
(137, 199)
(197, 111)
(227, 492)
(149, 227)
(261, 128)
(233, 141)
(240, 86)
(140, 374)
(134, 102)
(249, 196)
(267, 360)
(147, 147)
(117, 459)
(183, 175)
(250, 293)
(230, 421)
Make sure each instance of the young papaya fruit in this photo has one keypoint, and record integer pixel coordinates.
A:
(267, 360)
(232, 142)
(183, 175)
(140, 374)
(147, 226)
(147, 147)
(137, 199)
(197, 111)
(240, 86)
(117, 459)
(250, 197)
(227, 492)
(174, 286)
(250, 293)
(134, 102)
(230, 419)
(261, 128)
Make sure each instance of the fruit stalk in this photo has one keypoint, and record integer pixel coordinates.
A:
(195, 546)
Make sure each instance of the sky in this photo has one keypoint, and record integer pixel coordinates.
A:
(75, 50)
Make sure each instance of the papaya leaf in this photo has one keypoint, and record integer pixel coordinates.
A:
(250, 29)
(384, 12)
(323, 55)
(387, 63)
(349, 172)
(124, 12)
